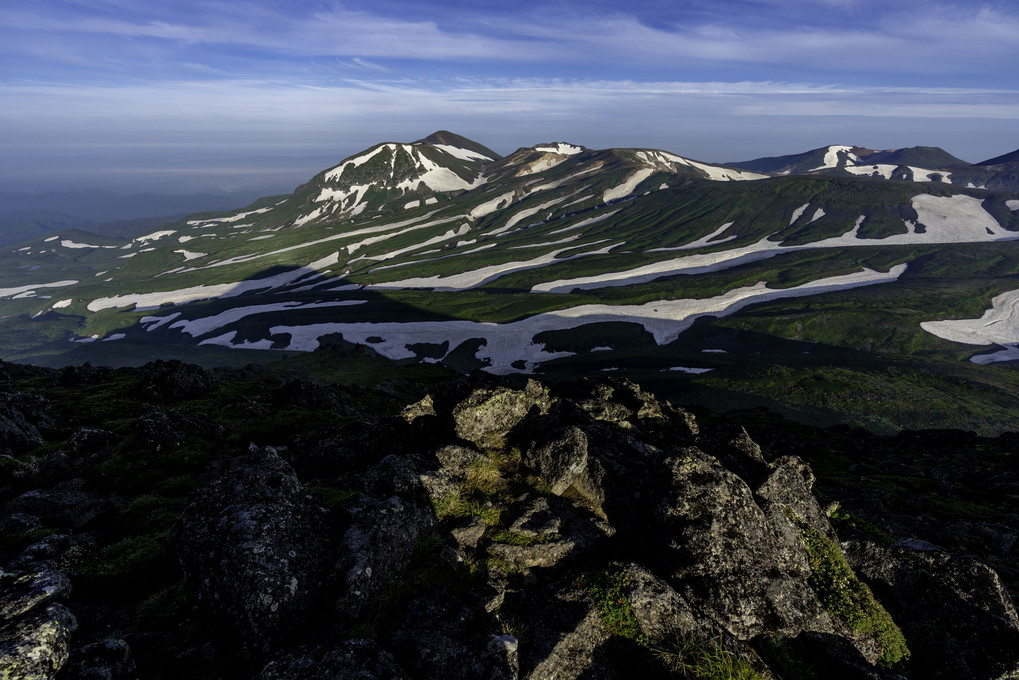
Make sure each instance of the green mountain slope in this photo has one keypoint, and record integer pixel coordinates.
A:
(554, 259)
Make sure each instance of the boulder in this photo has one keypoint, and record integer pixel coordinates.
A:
(377, 546)
(257, 547)
(567, 638)
(444, 636)
(486, 416)
(727, 557)
(63, 507)
(36, 644)
(956, 615)
(23, 420)
(171, 380)
(549, 532)
(22, 592)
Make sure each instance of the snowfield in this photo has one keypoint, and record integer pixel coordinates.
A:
(17, 290)
(998, 326)
(948, 219)
(627, 187)
(510, 343)
(204, 292)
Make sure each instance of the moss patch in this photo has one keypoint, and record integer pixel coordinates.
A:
(849, 599)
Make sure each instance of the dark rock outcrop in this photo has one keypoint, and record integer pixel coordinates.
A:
(955, 613)
(253, 543)
(492, 529)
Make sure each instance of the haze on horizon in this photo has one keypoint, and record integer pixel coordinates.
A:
(259, 94)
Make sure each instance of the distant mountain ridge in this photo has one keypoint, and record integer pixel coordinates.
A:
(916, 164)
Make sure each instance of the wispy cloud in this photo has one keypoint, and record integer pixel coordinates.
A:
(944, 38)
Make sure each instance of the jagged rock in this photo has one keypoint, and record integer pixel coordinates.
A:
(548, 533)
(663, 614)
(396, 476)
(52, 550)
(445, 637)
(35, 645)
(567, 636)
(486, 416)
(727, 558)
(159, 427)
(79, 376)
(256, 546)
(838, 656)
(67, 507)
(23, 418)
(957, 617)
(601, 467)
(350, 660)
(562, 462)
(671, 624)
(455, 464)
(468, 535)
(18, 523)
(786, 494)
(377, 545)
(173, 379)
(21, 592)
(308, 394)
(740, 454)
(420, 409)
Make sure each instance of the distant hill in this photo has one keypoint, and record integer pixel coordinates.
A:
(1012, 157)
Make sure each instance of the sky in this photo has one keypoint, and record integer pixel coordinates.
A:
(216, 95)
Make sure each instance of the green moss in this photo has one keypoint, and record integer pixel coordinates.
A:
(608, 591)
(849, 599)
(515, 538)
(709, 660)
(457, 504)
(842, 517)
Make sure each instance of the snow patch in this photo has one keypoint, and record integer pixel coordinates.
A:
(560, 148)
(798, 212)
(203, 325)
(462, 154)
(1012, 205)
(204, 292)
(491, 206)
(686, 369)
(61, 304)
(507, 343)
(188, 255)
(5, 292)
(999, 325)
(701, 242)
(478, 277)
(154, 236)
(627, 187)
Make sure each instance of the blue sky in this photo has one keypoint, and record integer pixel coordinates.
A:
(217, 94)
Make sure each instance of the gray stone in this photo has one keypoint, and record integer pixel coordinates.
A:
(486, 416)
(377, 545)
(21, 592)
(254, 543)
(35, 646)
(954, 611)
(727, 558)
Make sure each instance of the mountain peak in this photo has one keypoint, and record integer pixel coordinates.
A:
(445, 138)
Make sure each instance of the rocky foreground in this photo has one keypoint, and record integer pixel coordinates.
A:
(173, 522)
